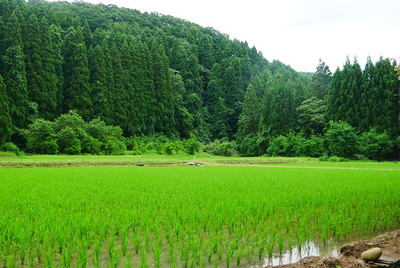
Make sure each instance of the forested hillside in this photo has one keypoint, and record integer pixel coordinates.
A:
(156, 75)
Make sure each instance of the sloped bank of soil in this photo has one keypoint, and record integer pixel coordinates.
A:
(350, 253)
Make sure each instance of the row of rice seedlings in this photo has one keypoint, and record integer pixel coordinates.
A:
(180, 219)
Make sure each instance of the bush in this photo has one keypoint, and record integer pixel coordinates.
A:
(221, 147)
(192, 146)
(375, 145)
(10, 147)
(92, 146)
(338, 159)
(39, 135)
(114, 146)
(341, 140)
(51, 146)
(68, 142)
(312, 147)
(172, 146)
(279, 146)
(248, 146)
(289, 146)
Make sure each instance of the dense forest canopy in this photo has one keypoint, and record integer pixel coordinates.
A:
(156, 75)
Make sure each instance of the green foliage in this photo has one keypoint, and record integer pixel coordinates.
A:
(250, 116)
(70, 134)
(10, 147)
(68, 141)
(294, 145)
(192, 146)
(41, 137)
(5, 118)
(375, 145)
(285, 145)
(311, 116)
(311, 147)
(320, 81)
(341, 139)
(248, 146)
(221, 147)
(172, 147)
(114, 146)
(152, 75)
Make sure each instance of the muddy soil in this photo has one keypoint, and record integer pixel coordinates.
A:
(350, 253)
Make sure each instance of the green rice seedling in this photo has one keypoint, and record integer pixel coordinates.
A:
(147, 239)
(49, 255)
(143, 259)
(261, 246)
(157, 255)
(111, 245)
(239, 255)
(270, 247)
(22, 253)
(128, 259)
(12, 262)
(324, 234)
(249, 253)
(137, 241)
(299, 237)
(96, 252)
(184, 254)
(38, 249)
(228, 256)
(114, 261)
(82, 255)
(31, 261)
(124, 241)
(219, 252)
(216, 263)
(66, 257)
(211, 248)
(171, 254)
(280, 242)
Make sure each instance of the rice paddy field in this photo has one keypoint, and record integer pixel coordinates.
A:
(217, 215)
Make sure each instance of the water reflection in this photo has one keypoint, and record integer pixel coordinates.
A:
(309, 249)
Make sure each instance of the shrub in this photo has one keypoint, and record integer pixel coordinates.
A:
(92, 146)
(375, 145)
(221, 147)
(192, 146)
(338, 159)
(312, 147)
(248, 145)
(341, 139)
(68, 142)
(114, 146)
(10, 147)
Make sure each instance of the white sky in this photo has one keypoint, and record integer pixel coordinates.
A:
(296, 32)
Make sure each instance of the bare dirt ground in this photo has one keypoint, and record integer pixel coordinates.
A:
(350, 253)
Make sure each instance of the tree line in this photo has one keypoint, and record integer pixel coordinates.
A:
(158, 76)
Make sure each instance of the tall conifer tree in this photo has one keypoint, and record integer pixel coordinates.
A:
(250, 116)
(76, 90)
(99, 82)
(117, 88)
(15, 72)
(163, 94)
(5, 118)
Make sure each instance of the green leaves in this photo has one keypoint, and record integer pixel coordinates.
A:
(70, 134)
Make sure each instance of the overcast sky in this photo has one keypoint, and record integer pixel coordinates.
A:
(296, 32)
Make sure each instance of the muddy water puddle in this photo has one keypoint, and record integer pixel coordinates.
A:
(308, 249)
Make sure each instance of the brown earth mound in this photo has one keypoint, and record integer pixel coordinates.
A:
(350, 253)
